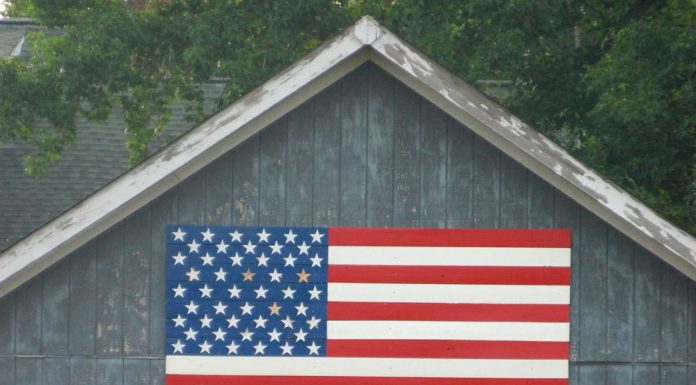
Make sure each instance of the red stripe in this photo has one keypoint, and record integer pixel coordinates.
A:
(343, 311)
(447, 349)
(484, 275)
(350, 236)
(178, 379)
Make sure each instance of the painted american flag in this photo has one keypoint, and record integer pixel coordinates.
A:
(291, 305)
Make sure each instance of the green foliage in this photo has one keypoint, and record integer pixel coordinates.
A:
(613, 81)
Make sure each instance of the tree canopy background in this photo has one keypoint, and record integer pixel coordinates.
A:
(612, 81)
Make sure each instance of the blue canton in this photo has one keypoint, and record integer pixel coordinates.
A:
(246, 291)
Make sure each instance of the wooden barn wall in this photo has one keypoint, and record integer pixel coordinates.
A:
(365, 152)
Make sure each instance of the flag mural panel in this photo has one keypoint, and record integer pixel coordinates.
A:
(364, 306)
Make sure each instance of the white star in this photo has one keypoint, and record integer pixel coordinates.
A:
(317, 236)
(222, 247)
(179, 235)
(290, 260)
(287, 322)
(263, 260)
(288, 293)
(205, 291)
(205, 347)
(207, 259)
(263, 236)
(301, 309)
(246, 308)
(193, 246)
(178, 347)
(179, 321)
(304, 248)
(250, 247)
(276, 247)
(220, 275)
(290, 237)
(207, 236)
(236, 259)
(314, 293)
(316, 261)
(246, 335)
(236, 236)
(259, 348)
(179, 258)
(219, 334)
(232, 322)
(313, 322)
(261, 292)
(232, 348)
(205, 321)
(234, 291)
(313, 348)
(193, 275)
(220, 308)
(300, 335)
(275, 335)
(275, 275)
(260, 322)
(287, 348)
(192, 308)
(190, 334)
(179, 291)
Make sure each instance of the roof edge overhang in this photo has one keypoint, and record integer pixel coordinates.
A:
(365, 41)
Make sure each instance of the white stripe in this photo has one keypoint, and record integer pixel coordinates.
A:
(434, 293)
(449, 256)
(448, 330)
(370, 367)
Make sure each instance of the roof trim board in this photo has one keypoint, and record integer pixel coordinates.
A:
(364, 41)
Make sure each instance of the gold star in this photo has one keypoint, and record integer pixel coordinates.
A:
(303, 276)
(248, 275)
(274, 309)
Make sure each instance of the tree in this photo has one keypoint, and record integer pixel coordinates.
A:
(613, 81)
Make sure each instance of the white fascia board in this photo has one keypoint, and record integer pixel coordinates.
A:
(539, 154)
(190, 153)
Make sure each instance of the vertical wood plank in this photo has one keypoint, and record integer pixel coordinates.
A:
(109, 371)
(646, 375)
(7, 368)
(28, 371)
(646, 340)
(109, 336)
(7, 324)
(674, 310)
(326, 156)
(156, 372)
(218, 191)
(513, 194)
(83, 371)
(191, 193)
(28, 318)
(593, 288)
(692, 375)
(619, 297)
(619, 374)
(353, 167)
(539, 202)
(273, 140)
(163, 213)
(433, 193)
(83, 300)
(673, 375)
(136, 371)
(592, 374)
(380, 144)
(567, 216)
(245, 186)
(136, 275)
(54, 325)
(486, 184)
(299, 166)
(573, 374)
(406, 157)
(691, 339)
(460, 174)
(56, 371)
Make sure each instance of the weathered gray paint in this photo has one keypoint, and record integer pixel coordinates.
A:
(365, 151)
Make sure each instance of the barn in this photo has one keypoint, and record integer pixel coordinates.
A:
(365, 131)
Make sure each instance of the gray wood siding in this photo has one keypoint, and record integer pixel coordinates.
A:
(366, 151)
